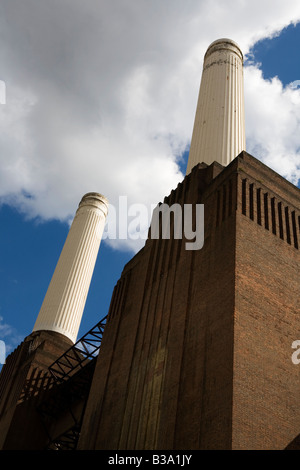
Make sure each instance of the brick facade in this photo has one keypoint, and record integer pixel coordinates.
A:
(196, 352)
(197, 349)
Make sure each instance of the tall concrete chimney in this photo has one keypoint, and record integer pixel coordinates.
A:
(65, 299)
(219, 127)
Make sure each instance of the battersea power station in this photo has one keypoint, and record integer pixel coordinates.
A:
(196, 350)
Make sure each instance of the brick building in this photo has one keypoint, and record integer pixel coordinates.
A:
(197, 349)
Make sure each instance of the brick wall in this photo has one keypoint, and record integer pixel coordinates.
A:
(197, 350)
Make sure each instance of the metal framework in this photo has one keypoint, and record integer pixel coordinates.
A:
(64, 394)
(66, 441)
(71, 374)
(85, 349)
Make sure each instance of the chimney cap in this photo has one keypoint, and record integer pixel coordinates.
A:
(96, 200)
(224, 44)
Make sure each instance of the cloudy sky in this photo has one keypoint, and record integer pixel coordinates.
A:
(101, 96)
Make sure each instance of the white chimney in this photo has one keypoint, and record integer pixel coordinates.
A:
(65, 299)
(219, 127)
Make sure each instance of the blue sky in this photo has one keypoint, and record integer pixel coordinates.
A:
(52, 133)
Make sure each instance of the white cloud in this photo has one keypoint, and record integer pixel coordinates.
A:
(9, 338)
(273, 122)
(5, 329)
(101, 95)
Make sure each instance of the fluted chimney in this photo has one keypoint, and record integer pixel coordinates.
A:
(65, 299)
(219, 127)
